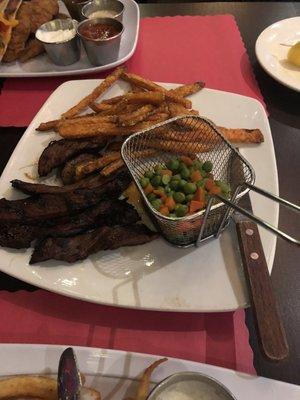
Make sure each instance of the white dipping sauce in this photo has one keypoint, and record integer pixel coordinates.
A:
(191, 390)
(60, 35)
(102, 14)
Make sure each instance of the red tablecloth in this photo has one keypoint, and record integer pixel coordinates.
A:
(171, 49)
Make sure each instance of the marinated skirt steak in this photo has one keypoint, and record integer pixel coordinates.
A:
(60, 151)
(79, 247)
(48, 206)
(108, 212)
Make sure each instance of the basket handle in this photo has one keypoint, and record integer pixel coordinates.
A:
(260, 221)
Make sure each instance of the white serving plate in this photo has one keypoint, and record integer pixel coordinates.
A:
(156, 275)
(272, 56)
(114, 373)
(42, 66)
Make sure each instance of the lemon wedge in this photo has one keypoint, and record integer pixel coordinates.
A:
(294, 55)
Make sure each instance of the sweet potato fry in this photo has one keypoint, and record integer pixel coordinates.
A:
(242, 135)
(144, 385)
(137, 116)
(52, 125)
(38, 387)
(99, 107)
(176, 109)
(92, 129)
(187, 90)
(149, 85)
(91, 166)
(158, 116)
(178, 147)
(92, 97)
(113, 167)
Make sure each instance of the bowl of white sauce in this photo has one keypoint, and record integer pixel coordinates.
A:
(60, 40)
(103, 9)
(190, 386)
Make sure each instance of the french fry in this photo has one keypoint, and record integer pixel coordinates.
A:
(149, 85)
(177, 110)
(144, 385)
(87, 120)
(98, 91)
(178, 147)
(187, 90)
(114, 146)
(52, 125)
(99, 163)
(38, 387)
(242, 135)
(98, 107)
(137, 116)
(158, 116)
(91, 130)
(113, 167)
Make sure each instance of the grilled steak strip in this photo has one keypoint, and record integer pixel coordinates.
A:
(48, 206)
(68, 172)
(60, 151)
(107, 212)
(79, 247)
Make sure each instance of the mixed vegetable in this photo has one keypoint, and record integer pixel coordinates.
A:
(182, 186)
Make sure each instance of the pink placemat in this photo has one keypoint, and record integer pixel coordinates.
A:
(170, 49)
(44, 317)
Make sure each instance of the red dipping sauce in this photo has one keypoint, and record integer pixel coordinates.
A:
(98, 31)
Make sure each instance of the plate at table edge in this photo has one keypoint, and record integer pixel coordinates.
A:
(264, 49)
(89, 68)
(155, 276)
(114, 373)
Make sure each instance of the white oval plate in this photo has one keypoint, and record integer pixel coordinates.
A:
(42, 66)
(272, 56)
(154, 276)
(114, 373)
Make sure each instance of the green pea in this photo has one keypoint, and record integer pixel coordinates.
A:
(174, 185)
(203, 173)
(144, 182)
(166, 179)
(156, 203)
(207, 166)
(197, 164)
(168, 189)
(189, 188)
(151, 197)
(158, 168)
(201, 183)
(161, 188)
(181, 210)
(189, 197)
(176, 177)
(172, 215)
(156, 180)
(182, 183)
(173, 164)
(179, 197)
(148, 174)
(185, 172)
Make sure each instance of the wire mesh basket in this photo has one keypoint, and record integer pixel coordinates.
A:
(198, 137)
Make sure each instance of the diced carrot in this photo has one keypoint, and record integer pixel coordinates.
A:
(196, 206)
(209, 183)
(164, 210)
(200, 194)
(166, 172)
(160, 193)
(215, 190)
(186, 160)
(170, 203)
(148, 189)
(196, 176)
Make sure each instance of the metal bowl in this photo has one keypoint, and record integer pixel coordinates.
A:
(61, 52)
(102, 51)
(184, 380)
(114, 6)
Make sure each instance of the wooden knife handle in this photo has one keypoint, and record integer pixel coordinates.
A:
(271, 333)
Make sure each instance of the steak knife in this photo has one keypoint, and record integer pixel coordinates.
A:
(69, 379)
(270, 330)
